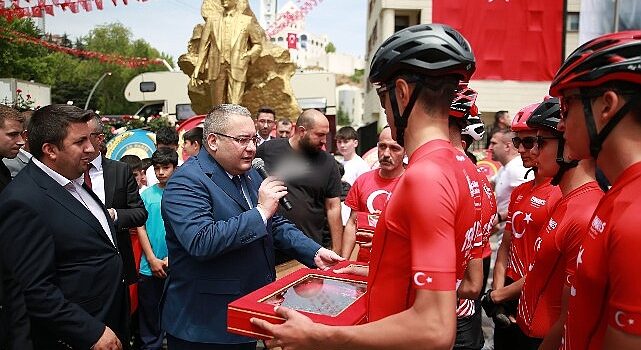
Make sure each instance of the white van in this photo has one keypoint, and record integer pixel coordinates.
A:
(164, 92)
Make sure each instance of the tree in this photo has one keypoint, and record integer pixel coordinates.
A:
(72, 78)
(342, 118)
(330, 48)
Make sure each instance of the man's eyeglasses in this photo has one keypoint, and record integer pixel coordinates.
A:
(528, 142)
(241, 140)
(540, 140)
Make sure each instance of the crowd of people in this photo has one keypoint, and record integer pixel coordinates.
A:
(419, 226)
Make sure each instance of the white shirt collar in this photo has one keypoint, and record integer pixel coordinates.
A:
(97, 162)
(63, 181)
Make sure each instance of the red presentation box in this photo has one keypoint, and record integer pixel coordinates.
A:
(365, 222)
(324, 296)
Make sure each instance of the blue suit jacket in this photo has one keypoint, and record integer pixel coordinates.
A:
(219, 249)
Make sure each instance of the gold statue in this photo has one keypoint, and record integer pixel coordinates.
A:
(230, 61)
(229, 43)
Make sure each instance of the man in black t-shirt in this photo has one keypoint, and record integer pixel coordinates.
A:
(312, 178)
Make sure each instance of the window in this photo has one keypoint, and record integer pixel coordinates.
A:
(280, 38)
(572, 24)
(401, 22)
(147, 86)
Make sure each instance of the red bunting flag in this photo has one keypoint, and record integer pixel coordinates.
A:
(36, 11)
(292, 40)
(73, 6)
(114, 1)
(99, 4)
(49, 10)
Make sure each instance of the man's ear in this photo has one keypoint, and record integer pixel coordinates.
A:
(355, 143)
(50, 151)
(212, 142)
(607, 107)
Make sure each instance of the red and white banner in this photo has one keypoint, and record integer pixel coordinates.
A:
(292, 40)
(511, 39)
(29, 8)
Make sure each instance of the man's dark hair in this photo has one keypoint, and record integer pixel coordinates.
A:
(49, 125)
(284, 121)
(194, 135)
(145, 163)
(164, 156)
(7, 112)
(266, 110)
(167, 136)
(133, 161)
(346, 133)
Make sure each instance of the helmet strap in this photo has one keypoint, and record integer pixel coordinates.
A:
(563, 165)
(400, 121)
(596, 138)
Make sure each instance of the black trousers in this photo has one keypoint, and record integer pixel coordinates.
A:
(149, 293)
(174, 343)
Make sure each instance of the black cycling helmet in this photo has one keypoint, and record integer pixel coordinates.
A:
(547, 116)
(425, 49)
(434, 50)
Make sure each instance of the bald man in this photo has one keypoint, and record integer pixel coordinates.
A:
(312, 178)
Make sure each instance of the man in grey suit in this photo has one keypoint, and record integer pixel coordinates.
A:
(24, 156)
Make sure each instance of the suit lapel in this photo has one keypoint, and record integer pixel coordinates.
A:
(68, 201)
(109, 178)
(219, 176)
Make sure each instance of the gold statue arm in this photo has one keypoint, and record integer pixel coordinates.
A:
(205, 41)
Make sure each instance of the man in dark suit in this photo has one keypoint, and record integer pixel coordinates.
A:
(14, 324)
(221, 233)
(114, 183)
(59, 242)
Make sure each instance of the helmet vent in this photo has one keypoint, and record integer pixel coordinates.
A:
(406, 46)
(433, 56)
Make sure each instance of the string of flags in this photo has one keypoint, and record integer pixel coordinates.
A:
(11, 9)
(289, 17)
(130, 62)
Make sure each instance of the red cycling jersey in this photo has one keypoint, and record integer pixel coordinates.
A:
(555, 260)
(424, 236)
(529, 210)
(488, 213)
(368, 196)
(606, 289)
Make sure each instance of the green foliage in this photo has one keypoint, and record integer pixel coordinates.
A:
(357, 77)
(342, 118)
(72, 78)
(330, 48)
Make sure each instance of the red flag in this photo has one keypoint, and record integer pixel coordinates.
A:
(99, 4)
(15, 3)
(86, 4)
(49, 10)
(292, 40)
(114, 1)
(73, 6)
(124, 2)
(41, 3)
(36, 11)
(522, 42)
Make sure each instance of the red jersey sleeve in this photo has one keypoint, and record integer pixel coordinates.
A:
(624, 304)
(430, 199)
(569, 245)
(352, 197)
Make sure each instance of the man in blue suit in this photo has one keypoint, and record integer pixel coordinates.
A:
(221, 234)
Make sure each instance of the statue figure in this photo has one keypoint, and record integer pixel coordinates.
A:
(229, 42)
(229, 60)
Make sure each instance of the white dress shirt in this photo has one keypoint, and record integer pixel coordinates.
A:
(74, 187)
(97, 178)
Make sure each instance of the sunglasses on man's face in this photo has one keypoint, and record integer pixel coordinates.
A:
(528, 142)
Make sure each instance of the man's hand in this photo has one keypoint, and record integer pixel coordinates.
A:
(298, 331)
(495, 311)
(365, 236)
(158, 267)
(270, 191)
(358, 270)
(326, 258)
(108, 341)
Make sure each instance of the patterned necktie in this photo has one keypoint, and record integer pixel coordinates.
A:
(87, 177)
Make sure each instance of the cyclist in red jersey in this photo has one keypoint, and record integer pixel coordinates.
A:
(599, 86)
(542, 306)
(530, 207)
(424, 235)
(369, 194)
(469, 334)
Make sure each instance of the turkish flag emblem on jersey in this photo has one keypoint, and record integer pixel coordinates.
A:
(292, 40)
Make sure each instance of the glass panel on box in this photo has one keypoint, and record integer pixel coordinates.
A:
(319, 295)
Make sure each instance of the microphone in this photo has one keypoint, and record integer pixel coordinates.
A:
(259, 165)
